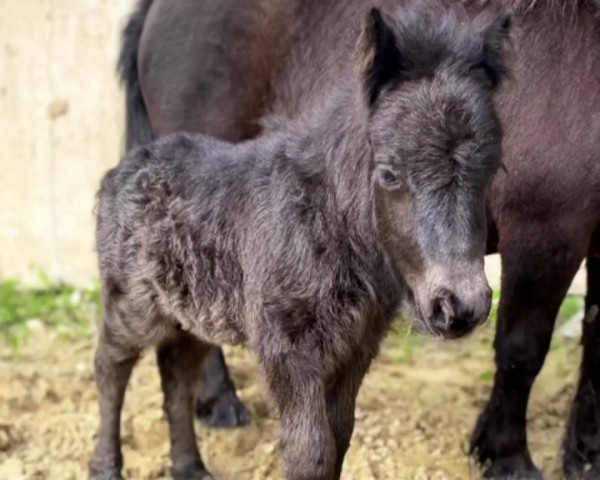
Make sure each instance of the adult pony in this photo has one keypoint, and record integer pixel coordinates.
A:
(226, 68)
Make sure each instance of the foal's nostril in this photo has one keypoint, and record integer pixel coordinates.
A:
(443, 310)
(451, 316)
(437, 307)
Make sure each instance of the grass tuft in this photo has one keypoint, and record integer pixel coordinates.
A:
(69, 312)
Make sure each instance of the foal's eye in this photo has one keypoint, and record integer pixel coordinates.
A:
(388, 178)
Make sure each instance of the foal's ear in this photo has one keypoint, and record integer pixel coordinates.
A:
(494, 38)
(378, 54)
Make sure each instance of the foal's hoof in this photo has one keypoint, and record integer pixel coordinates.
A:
(193, 476)
(105, 474)
(194, 473)
(227, 411)
(506, 469)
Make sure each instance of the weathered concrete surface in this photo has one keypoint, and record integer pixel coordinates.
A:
(61, 124)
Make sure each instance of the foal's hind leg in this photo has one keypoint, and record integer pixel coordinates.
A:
(113, 365)
(582, 440)
(217, 404)
(537, 272)
(179, 360)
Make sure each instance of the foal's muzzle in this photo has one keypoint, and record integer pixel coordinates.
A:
(455, 301)
(453, 317)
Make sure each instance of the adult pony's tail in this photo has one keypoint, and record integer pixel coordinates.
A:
(138, 130)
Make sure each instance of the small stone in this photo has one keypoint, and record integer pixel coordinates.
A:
(82, 368)
(58, 108)
(35, 325)
(8, 438)
(392, 444)
(269, 448)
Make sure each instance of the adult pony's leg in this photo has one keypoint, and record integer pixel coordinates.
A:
(216, 402)
(582, 440)
(537, 272)
(179, 361)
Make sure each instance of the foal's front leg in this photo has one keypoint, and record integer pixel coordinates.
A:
(179, 361)
(341, 405)
(307, 443)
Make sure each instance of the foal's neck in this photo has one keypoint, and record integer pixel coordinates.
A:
(335, 135)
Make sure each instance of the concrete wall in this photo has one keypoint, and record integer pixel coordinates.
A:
(61, 128)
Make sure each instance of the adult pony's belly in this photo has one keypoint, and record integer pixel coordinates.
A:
(550, 112)
(206, 66)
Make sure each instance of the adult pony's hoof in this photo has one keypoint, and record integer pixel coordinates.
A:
(514, 467)
(581, 448)
(592, 474)
(576, 472)
(489, 450)
(509, 469)
(575, 467)
(226, 411)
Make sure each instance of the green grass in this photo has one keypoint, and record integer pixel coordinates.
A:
(571, 306)
(402, 342)
(495, 304)
(69, 312)
(487, 376)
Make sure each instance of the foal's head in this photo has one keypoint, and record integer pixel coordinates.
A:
(427, 79)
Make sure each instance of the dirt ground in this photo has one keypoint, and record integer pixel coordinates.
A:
(415, 412)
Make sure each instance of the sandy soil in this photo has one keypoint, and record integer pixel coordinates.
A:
(416, 409)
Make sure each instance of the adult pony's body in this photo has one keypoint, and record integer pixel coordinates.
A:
(232, 69)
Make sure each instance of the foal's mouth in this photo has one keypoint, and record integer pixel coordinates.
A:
(411, 312)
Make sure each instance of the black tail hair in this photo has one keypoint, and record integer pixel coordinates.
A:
(138, 129)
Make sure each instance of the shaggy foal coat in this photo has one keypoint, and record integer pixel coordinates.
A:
(262, 243)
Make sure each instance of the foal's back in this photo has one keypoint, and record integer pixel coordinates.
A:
(165, 221)
(188, 223)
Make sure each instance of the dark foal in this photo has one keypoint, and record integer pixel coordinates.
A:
(221, 66)
(304, 243)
